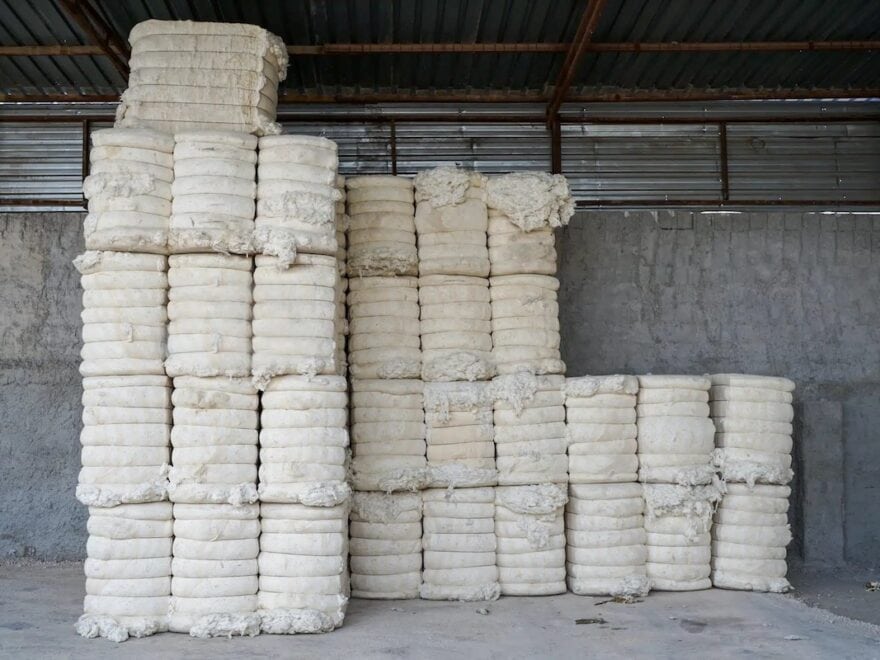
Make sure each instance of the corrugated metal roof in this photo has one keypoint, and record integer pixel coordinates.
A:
(317, 22)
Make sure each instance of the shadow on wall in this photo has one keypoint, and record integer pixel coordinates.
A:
(791, 294)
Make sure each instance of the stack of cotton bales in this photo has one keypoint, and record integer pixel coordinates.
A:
(213, 478)
(214, 192)
(451, 222)
(189, 76)
(385, 360)
(752, 416)
(530, 531)
(296, 197)
(304, 493)
(675, 444)
(125, 438)
(459, 544)
(529, 412)
(129, 190)
(305, 501)
(455, 326)
(523, 210)
(604, 521)
(386, 545)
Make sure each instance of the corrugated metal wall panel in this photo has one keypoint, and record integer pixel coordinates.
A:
(642, 162)
(800, 162)
(605, 162)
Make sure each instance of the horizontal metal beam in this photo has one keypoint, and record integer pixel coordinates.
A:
(39, 51)
(488, 48)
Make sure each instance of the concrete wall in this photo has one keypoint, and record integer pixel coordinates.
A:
(788, 294)
(40, 386)
(766, 293)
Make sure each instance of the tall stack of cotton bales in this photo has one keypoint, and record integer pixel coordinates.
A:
(604, 519)
(752, 416)
(126, 394)
(675, 444)
(388, 432)
(528, 392)
(303, 484)
(455, 326)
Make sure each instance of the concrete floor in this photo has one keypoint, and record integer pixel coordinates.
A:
(39, 603)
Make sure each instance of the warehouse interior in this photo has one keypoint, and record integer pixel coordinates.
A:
(724, 163)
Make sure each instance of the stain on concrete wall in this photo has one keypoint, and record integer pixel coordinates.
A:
(767, 293)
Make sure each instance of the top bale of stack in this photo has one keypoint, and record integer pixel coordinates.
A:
(188, 75)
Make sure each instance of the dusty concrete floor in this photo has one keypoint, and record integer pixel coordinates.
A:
(39, 603)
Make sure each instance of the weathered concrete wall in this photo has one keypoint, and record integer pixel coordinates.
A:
(40, 386)
(766, 293)
(788, 294)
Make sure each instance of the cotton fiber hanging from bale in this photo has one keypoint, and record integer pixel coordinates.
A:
(129, 190)
(128, 571)
(678, 521)
(126, 398)
(381, 235)
(296, 197)
(458, 421)
(214, 584)
(601, 429)
(214, 192)
(530, 531)
(524, 209)
(296, 322)
(386, 545)
(388, 435)
(304, 582)
(459, 544)
(675, 434)
(210, 308)
(383, 317)
(529, 419)
(752, 416)
(189, 75)
(605, 533)
(214, 460)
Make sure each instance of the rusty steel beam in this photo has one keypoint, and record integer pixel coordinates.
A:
(18, 201)
(585, 31)
(512, 47)
(377, 49)
(98, 31)
(718, 203)
(497, 96)
(646, 95)
(50, 51)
